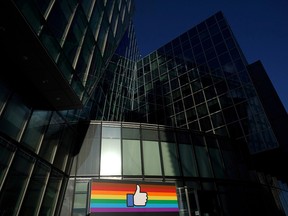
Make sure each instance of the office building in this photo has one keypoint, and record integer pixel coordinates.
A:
(82, 112)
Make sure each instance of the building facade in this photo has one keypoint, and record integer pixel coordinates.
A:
(86, 108)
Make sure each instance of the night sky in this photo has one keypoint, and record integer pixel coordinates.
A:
(260, 27)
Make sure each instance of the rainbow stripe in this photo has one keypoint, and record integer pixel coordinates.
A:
(111, 197)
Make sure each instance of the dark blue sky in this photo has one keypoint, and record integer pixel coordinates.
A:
(260, 27)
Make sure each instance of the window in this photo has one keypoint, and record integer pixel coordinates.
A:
(151, 158)
(131, 157)
(170, 159)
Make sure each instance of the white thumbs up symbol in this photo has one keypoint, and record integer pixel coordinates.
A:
(140, 198)
(137, 199)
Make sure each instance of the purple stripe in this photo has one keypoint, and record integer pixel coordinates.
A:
(134, 210)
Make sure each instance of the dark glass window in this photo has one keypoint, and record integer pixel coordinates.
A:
(188, 162)
(205, 124)
(199, 97)
(230, 115)
(207, 44)
(196, 85)
(221, 48)
(6, 153)
(210, 54)
(35, 129)
(191, 114)
(16, 181)
(170, 159)
(14, 117)
(221, 87)
(35, 189)
(188, 102)
(202, 110)
(149, 134)
(195, 41)
(186, 90)
(130, 133)
(235, 130)
(217, 38)
(213, 106)
(51, 194)
(217, 119)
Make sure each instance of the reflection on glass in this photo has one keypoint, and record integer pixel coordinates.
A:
(151, 158)
(16, 181)
(131, 157)
(35, 129)
(14, 117)
(203, 161)
(170, 159)
(35, 190)
(110, 157)
(111, 132)
(188, 160)
(51, 194)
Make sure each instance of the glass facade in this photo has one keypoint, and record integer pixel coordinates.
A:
(210, 173)
(200, 81)
(86, 107)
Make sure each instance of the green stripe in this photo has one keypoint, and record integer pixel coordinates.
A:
(162, 201)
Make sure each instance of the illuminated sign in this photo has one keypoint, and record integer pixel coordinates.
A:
(119, 197)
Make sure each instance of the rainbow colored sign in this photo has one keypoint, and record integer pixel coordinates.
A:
(132, 197)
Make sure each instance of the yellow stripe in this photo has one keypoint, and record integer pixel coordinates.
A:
(162, 197)
(103, 196)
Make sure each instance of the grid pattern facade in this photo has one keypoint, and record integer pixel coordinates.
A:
(200, 81)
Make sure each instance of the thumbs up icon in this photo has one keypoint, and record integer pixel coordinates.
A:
(137, 199)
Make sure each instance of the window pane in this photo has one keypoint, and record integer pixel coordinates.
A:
(131, 157)
(14, 117)
(151, 158)
(131, 133)
(51, 138)
(64, 148)
(6, 153)
(51, 194)
(35, 129)
(15, 183)
(188, 160)
(4, 93)
(35, 190)
(149, 134)
(88, 160)
(110, 157)
(170, 159)
(203, 161)
(217, 162)
(111, 132)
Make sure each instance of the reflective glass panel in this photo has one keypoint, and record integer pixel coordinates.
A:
(51, 194)
(35, 190)
(35, 129)
(131, 157)
(188, 160)
(14, 117)
(170, 159)
(110, 157)
(16, 180)
(203, 161)
(151, 158)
